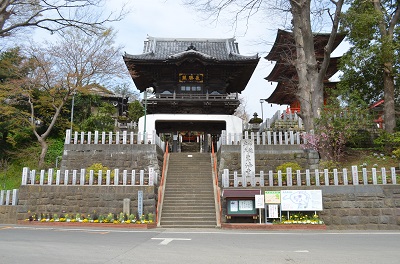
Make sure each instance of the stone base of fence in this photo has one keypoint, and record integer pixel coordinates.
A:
(272, 226)
(8, 214)
(85, 225)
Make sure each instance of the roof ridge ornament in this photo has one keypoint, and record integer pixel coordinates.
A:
(191, 47)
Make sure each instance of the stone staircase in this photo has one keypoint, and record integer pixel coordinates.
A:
(189, 195)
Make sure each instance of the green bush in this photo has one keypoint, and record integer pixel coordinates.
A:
(294, 165)
(96, 167)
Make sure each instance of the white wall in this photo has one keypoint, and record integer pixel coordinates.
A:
(233, 123)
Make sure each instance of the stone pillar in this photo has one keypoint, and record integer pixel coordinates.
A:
(206, 142)
(175, 142)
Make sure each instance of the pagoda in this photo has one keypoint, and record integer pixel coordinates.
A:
(196, 83)
(284, 73)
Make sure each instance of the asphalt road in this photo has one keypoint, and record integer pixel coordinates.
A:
(19, 244)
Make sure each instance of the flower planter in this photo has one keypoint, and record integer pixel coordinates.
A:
(252, 226)
(83, 225)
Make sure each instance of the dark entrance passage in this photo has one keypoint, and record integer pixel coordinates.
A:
(190, 136)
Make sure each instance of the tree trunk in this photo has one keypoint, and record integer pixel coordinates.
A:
(309, 91)
(44, 146)
(389, 108)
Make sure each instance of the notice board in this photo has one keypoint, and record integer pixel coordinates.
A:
(241, 207)
(301, 200)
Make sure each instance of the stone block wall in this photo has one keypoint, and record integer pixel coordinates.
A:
(371, 207)
(121, 156)
(8, 214)
(267, 157)
(374, 207)
(82, 199)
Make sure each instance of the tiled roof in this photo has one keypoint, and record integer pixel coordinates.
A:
(209, 49)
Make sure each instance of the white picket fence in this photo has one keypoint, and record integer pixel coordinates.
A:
(264, 138)
(317, 177)
(113, 138)
(9, 197)
(100, 178)
(290, 118)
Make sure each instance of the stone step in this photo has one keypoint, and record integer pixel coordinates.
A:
(177, 225)
(189, 194)
(179, 194)
(180, 203)
(183, 221)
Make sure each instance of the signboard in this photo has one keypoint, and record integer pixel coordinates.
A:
(273, 211)
(247, 159)
(259, 199)
(191, 77)
(243, 207)
(301, 200)
(272, 197)
(140, 203)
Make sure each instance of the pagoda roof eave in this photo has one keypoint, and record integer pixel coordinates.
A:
(284, 43)
(285, 71)
(284, 93)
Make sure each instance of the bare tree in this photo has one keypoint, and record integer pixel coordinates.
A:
(311, 74)
(70, 65)
(241, 110)
(55, 15)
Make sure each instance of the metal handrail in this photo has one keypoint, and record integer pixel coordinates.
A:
(161, 186)
(216, 187)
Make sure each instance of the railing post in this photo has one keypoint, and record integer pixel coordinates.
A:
(25, 175)
(393, 173)
(289, 176)
(235, 179)
(124, 177)
(67, 137)
(384, 181)
(374, 177)
(58, 177)
(42, 174)
(82, 177)
(345, 179)
(326, 174)
(298, 177)
(91, 177)
(108, 177)
(8, 197)
(308, 178)
(66, 172)
(74, 175)
(335, 177)
(96, 137)
(141, 179)
(2, 197)
(116, 177)
(316, 174)
(50, 176)
(354, 174)
(271, 178)
(133, 177)
(82, 137)
(365, 176)
(14, 197)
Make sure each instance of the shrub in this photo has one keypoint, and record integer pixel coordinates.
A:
(96, 167)
(294, 165)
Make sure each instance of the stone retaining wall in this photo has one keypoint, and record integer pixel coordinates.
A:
(267, 157)
(82, 199)
(115, 156)
(372, 207)
(8, 214)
